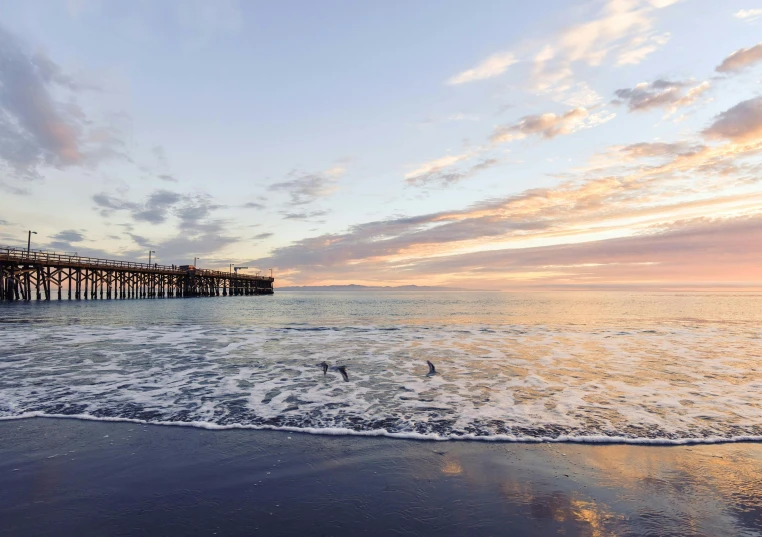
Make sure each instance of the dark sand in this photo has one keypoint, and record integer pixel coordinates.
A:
(69, 477)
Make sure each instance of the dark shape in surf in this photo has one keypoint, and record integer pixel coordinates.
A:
(324, 366)
(343, 370)
(432, 371)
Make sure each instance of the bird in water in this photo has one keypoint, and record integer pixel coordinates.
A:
(432, 370)
(324, 366)
(343, 370)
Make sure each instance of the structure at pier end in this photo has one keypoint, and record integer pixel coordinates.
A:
(31, 274)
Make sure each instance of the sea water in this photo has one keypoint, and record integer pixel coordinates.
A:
(568, 366)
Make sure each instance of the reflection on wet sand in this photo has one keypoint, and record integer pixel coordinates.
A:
(620, 489)
(121, 478)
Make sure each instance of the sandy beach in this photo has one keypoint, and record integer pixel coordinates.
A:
(73, 477)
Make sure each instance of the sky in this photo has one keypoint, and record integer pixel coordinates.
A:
(480, 144)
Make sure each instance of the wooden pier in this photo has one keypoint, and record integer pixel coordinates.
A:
(28, 275)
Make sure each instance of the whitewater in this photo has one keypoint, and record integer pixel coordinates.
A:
(584, 367)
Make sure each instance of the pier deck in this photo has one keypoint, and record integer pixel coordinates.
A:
(28, 275)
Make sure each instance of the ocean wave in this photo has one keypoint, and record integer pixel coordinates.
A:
(335, 431)
(522, 383)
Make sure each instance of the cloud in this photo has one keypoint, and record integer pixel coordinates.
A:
(741, 59)
(741, 123)
(64, 239)
(108, 203)
(450, 169)
(33, 128)
(262, 236)
(644, 189)
(549, 125)
(446, 175)
(156, 207)
(748, 14)
(579, 95)
(168, 178)
(622, 30)
(69, 235)
(493, 66)
(141, 241)
(195, 215)
(15, 190)
(436, 165)
(307, 215)
(183, 247)
(660, 149)
(667, 94)
(253, 205)
(192, 211)
(197, 231)
(308, 188)
(37, 129)
(701, 250)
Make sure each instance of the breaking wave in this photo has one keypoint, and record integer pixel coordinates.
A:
(664, 385)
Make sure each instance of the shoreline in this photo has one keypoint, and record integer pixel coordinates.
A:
(340, 432)
(87, 477)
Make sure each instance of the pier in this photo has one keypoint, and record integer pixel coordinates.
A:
(36, 275)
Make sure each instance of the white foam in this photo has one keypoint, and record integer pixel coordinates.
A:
(682, 385)
(337, 431)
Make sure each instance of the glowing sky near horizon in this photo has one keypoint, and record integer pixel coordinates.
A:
(476, 144)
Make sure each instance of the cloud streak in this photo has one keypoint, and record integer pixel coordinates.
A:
(495, 65)
(670, 95)
(306, 189)
(549, 125)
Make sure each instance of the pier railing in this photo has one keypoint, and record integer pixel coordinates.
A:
(34, 257)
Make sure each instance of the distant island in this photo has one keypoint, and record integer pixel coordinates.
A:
(353, 287)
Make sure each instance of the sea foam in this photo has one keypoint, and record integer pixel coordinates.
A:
(513, 383)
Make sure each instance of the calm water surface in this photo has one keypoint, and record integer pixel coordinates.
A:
(652, 368)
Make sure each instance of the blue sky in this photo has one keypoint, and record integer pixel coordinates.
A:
(390, 142)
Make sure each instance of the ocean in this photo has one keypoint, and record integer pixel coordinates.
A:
(651, 368)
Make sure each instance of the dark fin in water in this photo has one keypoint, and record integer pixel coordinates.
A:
(343, 370)
(324, 366)
(432, 371)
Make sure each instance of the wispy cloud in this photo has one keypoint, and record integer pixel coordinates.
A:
(748, 14)
(448, 174)
(69, 235)
(623, 30)
(549, 125)
(495, 65)
(668, 94)
(623, 33)
(307, 188)
(306, 215)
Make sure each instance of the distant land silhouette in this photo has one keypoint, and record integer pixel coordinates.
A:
(353, 287)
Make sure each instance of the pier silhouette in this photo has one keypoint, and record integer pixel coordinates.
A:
(33, 274)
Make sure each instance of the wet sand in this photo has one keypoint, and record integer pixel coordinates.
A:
(70, 477)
